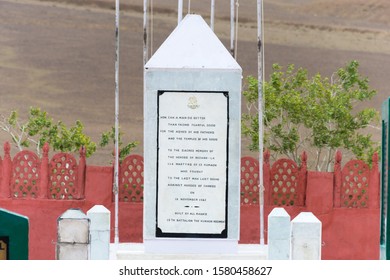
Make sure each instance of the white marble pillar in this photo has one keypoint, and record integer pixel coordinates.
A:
(72, 235)
(278, 234)
(306, 237)
(99, 232)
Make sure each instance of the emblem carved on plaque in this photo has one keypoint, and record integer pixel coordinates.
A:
(193, 102)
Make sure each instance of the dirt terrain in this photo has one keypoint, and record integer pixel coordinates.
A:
(59, 55)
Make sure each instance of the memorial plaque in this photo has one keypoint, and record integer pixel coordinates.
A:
(192, 164)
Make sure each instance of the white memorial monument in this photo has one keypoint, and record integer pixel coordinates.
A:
(192, 114)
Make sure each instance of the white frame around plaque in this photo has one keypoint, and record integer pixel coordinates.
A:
(192, 164)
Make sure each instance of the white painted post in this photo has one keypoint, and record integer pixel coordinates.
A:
(279, 234)
(146, 37)
(72, 235)
(232, 27)
(179, 11)
(212, 12)
(260, 72)
(306, 237)
(99, 232)
(116, 118)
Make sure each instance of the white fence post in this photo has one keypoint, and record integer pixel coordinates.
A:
(306, 237)
(72, 235)
(278, 234)
(99, 232)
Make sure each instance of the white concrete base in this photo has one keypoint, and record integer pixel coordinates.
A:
(136, 251)
(190, 246)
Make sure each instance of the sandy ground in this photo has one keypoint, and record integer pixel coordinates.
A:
(59, 55)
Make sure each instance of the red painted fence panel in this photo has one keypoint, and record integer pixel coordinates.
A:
(346, 201)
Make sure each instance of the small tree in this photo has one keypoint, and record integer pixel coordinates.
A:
(40, 128)
(318, 115)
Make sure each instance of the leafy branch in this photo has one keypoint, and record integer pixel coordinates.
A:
(124, 150)
(40, 128)
(315, 114)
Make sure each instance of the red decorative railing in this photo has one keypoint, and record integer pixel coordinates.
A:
(27, 176)
(49, 186)
(131, 179)
(63, 177)
(354, 183)
(249, 181)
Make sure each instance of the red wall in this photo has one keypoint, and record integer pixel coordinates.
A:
(347, 233)
(43, 213)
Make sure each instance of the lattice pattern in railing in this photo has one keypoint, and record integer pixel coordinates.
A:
(355, 183)
(131, 178)
(25, 175)
(249, 181)
(63, 177)
(284, 183)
